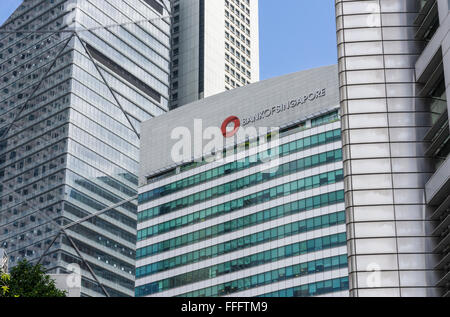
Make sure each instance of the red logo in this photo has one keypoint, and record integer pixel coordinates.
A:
(226, 123)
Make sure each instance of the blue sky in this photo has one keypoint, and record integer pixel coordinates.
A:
(294, 34)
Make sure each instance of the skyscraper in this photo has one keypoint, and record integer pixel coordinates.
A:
(77, 77)
(215, 47)
(393, 69)
(240, 226)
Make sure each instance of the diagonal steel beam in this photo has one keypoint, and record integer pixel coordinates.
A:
(98, 213)
(85, 262)
(22, 107)
(80, 221)
(63, 231)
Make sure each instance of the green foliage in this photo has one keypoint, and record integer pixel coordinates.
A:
(4, 284)
(28, 280)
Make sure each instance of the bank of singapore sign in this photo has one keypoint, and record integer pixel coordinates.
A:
(192, 145)
(267, 113)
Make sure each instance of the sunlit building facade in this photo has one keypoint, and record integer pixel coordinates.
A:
(234, 226)
(215, 47)
(393, 78)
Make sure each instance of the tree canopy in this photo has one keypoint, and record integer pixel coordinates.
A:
(28, 280)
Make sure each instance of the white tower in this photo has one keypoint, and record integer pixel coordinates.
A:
(215, 47)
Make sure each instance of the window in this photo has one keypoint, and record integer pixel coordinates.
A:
(119, 70)
(155, 5)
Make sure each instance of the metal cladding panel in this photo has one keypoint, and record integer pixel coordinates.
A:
(311, 91)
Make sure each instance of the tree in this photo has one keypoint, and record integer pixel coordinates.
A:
(4, 284)
(28, 280)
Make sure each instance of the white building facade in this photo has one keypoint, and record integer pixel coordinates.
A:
(215, 47)
(393, 71)
(232, 227)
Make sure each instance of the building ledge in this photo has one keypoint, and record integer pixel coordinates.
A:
(425, 18)
(441, 209)
(437, 126)
(438, 186)
(442, 226)
(444, 280)
(432, 50)
(442, 244)
(443, 262)
(424, 12)
(439, 140)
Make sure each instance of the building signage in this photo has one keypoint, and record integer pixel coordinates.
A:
(226, 123)
(267, 113)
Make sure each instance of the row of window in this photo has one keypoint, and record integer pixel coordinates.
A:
(247, 181)
(86, 283)
(234, 83)
(235, 73)
(330, 117)
(312, 289)
(240, 58)
(246, 262)
(253, 199)
(238, 18)
(239, 5)
(239, 37)
(262, 216)
(253, 160)
(274, 276)
(251, 240)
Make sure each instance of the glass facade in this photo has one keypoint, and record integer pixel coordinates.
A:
(222, 228)
(312, 289)
(241, 243)
(250, 161)
(71, 104)
(255, 179)
(251, 261)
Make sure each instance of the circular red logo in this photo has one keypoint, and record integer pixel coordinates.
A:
(225, 124)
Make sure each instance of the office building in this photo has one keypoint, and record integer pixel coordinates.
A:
(215, 47)
(74, 87)
(241, 225)
(393, 79)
